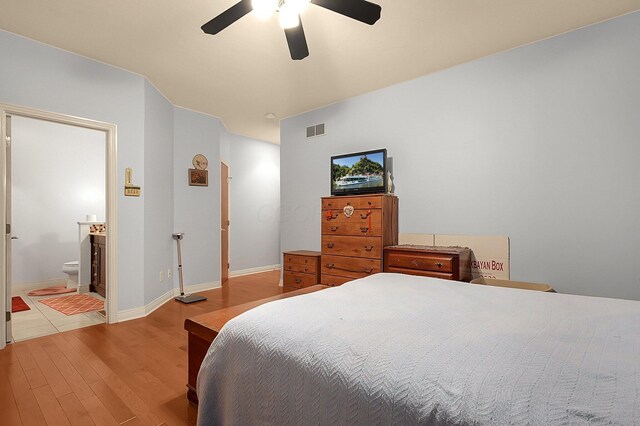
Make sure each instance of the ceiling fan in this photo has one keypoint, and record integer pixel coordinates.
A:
(289, 16)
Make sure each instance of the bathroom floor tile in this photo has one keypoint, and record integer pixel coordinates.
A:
(74, 321)
(94, 315)
(30, 333)
(30, 320)
(97, 296)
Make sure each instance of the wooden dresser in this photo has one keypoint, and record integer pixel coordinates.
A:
(450, 263)
(301, 268)
(98, 264)
(354, 231)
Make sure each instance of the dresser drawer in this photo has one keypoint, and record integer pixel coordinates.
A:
(360, 216)
(339, 203)
(300, 263)
(362, 222)
(432, 274)
(370, 247)
(334, 280)
(425, 262)
(353, 267)
(298, 280)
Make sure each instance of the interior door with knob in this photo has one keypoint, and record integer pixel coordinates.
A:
(224, 223)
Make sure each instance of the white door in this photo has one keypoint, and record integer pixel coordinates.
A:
(9, 237)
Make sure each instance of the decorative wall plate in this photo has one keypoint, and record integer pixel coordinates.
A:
(200, 162)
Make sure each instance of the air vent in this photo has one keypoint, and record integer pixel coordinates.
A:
(311, 131)
(317, 130)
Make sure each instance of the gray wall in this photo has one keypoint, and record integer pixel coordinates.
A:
(197, 208)
(158, 193)
(254, 203)
(539, 144)
(38, 76)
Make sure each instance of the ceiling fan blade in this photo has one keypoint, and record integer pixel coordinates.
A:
(359, 10)
(297, 42)
(227, 17)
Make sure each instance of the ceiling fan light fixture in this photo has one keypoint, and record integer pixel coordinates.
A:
(289, 18)
(263, 9)
(298, 6)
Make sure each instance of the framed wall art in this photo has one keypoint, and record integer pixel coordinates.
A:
(198, 177)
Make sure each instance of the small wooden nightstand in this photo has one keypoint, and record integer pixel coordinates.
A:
(301, 268)
(450, 263)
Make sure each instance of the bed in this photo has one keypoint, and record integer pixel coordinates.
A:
(399, 349)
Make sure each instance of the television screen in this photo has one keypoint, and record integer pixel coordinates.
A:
(359, 173)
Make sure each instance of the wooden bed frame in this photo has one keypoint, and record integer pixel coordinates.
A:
(204, 328)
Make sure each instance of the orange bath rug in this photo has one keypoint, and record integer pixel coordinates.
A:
(56, 289)
(18, 305)
(76, 304)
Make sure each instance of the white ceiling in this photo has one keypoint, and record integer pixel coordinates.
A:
(245, 71)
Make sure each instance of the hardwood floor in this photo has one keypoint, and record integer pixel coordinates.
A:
(132, 373)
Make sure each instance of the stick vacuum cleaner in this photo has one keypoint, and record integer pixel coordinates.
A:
(184, 298)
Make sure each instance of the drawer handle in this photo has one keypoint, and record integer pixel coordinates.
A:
(329, 204)
(439, 265)
(365, 215)
(368, 248)
(364, 229)
(331, 216)
(306, 269)
(298, 280)
(334, 228)
(333, 266)
(330, 245)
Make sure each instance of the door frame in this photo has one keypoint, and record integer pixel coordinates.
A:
(111, 218)
(222, 248)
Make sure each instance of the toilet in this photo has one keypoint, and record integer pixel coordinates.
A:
(71, 269)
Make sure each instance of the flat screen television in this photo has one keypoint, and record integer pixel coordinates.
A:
(359, 173)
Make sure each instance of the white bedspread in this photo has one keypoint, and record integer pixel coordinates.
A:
(400, 350)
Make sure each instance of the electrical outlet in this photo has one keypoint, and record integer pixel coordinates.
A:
(161, 276)
(169, 273)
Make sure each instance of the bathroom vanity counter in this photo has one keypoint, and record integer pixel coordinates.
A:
(98, 264)
(85, 264)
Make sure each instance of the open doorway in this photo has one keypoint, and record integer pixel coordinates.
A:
(57, 211)
(63, 210)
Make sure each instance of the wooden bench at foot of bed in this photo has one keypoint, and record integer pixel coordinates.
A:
(204, 328)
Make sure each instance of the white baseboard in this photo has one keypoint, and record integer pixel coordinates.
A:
(197, 287)
(145, 310)
(254, 270)
(130, 314)
(17, 288)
